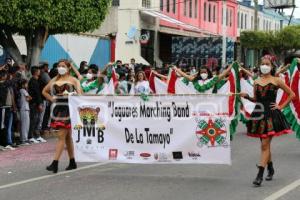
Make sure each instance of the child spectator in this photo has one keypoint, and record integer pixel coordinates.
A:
(24, 112)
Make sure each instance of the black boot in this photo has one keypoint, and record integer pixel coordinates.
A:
(53, 167)
(270, 171)
(259, 178)
(72, 164)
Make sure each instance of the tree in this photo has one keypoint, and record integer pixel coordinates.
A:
(281, 43)
(37, 19)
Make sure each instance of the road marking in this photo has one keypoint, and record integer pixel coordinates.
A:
(284, 190)
(50, 176)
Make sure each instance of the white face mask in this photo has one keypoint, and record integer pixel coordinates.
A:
(265, 69)
(204, 76)
(62, 70)
(89, 76)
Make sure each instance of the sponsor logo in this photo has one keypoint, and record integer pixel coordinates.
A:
(194, 155)
(177, 155)
(113, 154)
(129, 154)
(161, 157)
(145, 155)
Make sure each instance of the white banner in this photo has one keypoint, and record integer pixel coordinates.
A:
(165, 129)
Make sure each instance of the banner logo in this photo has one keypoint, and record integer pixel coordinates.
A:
(211, 133)
(89, 126)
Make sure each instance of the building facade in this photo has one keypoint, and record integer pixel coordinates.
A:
(268, 20)
(153, 31)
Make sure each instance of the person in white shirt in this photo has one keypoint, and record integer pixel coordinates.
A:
(141, 85)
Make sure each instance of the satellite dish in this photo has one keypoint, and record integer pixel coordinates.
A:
(132, 32)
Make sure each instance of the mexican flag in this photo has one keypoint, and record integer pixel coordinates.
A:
(233, 104)
(247, 106)
(112, 83)
(281, 95)
(179, 85)
(157, 86)
(292, 111)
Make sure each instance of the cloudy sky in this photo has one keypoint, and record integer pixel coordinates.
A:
(289, 11)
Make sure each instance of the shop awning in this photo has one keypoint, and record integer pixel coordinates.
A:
(183, 25)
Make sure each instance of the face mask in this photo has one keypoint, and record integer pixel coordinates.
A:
(265, 69)
(62, 70)
(204, 76)
(89, 76)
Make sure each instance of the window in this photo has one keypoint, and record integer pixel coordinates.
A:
(242, 21)
(227, 17)
(252, 22)
(168, 5)
(214, 14)
(146, 3)
(246, 21)
(191, 8)
(204, 11)
(161, 5)
(115, 3)
(238, 20)
(174, 6)
(209, 12)
(185, 7)
(222, 16)
(196, 8)
(230, 18)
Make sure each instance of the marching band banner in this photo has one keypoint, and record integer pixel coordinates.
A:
(164, 129)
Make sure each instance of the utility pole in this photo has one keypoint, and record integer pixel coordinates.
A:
(224, 31)
(256, 27)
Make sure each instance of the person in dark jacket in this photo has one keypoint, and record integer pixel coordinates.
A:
(36, 106)
(6, 110)
(45, 114)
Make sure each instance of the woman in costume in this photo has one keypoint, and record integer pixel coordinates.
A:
(57, 92)
(267, 121)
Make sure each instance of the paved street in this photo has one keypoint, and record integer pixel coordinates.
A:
(121, 181)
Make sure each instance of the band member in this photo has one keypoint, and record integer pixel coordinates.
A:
(57, 92)
(266, 120)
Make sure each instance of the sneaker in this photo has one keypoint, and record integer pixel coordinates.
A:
(15, 145)
(42, 140)
(24, 144)
(9, 147)
(2, 148)
(34, 141)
